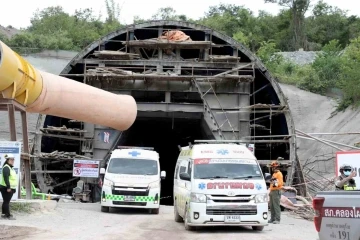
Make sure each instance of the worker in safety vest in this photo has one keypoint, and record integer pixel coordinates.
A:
(276, 184)
(8, 185)
(345, 181)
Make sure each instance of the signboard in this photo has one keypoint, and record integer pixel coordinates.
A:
(351, 158)
(86, 168)
(14, 148)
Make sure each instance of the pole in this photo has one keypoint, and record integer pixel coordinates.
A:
(26, 160)
(11, 113)
(320, 140)
(337, 143)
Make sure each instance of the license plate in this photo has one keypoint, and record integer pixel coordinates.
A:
(129, 198)
(232, 219)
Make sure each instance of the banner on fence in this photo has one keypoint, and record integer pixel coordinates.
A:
(14, 148)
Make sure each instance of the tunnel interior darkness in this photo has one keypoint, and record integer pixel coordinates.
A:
(164, 135)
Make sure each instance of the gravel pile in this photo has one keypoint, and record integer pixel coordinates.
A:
(300, 57)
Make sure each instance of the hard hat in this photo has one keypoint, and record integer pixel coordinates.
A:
(274, 164)
(7, 156)
(346, 166)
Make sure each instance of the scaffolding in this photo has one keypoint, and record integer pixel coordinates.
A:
(11, 106)
(145, 64)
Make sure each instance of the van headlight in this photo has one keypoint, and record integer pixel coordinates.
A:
(261, 198)
(154, 184)
(198, 198)
(108, 182)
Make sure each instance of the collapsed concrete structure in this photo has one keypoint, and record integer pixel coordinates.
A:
(206, 86)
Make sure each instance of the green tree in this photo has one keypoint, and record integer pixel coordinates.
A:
(113, 11)
(3, 38)
(298, 8)
(50, 20)
(326, 68)
(350, 72)
(168, 13)
(327, 23)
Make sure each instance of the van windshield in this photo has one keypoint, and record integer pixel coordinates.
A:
(226, 168)
(133, 166)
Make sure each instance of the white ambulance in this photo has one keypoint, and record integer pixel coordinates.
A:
(219, 185)
(132, 180)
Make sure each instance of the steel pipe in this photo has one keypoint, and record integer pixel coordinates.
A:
(45, 93)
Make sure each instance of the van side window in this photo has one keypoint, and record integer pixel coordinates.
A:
(189, 169)
(182, 169)
(176, 172)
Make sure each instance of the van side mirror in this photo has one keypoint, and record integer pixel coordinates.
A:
(102, 171)
(185, 176)
(267, 177)
(163, 175)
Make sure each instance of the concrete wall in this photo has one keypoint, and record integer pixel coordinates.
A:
(312, 113)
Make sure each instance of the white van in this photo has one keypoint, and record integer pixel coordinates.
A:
(132, 180)
(219, 184)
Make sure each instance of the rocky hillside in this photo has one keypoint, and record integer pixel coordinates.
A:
(8, 31)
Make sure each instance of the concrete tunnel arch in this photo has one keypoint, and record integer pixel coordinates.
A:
(158, 111)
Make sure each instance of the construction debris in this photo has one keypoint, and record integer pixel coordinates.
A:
(265, 106)
(223, 58)
(175, 35)
(60, 129)
(117, 73)
(156, 43)
(305, 211)
(62, 155)
(115, 55)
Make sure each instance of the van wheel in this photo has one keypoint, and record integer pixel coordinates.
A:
(186, 220)
(258, 228)
(155, 211)
(105, 209)
(177, 217)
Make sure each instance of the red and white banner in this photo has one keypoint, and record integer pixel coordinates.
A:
(86, 168)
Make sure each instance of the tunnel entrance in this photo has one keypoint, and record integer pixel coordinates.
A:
(164, 135)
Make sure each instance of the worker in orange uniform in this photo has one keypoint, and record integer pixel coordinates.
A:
(276, 184)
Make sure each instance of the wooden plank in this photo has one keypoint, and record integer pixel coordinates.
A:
(26, 151)
(268, 162)
(52, 171)
(115, 55)
(164, 44)
(224, 58)
(65, 137)
(151, 63)
(11, 115)
(240, 78)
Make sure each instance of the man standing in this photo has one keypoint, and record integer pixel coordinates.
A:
(345, 181)
(276, 184)
(8, 184)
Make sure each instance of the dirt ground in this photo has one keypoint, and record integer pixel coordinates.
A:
(85, 221)
(15, 232)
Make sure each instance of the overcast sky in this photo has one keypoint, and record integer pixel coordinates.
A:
(18, 12)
